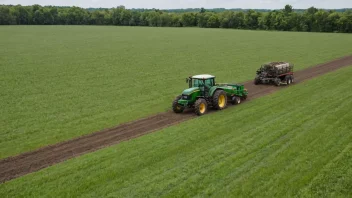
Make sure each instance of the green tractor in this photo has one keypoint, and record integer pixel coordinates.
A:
(204, 93)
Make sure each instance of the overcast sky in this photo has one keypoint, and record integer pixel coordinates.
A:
(165, 4)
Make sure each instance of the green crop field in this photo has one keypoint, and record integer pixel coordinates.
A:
(60, 82)
(295, 142)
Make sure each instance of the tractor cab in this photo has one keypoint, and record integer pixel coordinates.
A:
(203, 81)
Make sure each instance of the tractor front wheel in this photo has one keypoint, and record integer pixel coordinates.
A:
(219, 99)
(200, 107)
(176, 107)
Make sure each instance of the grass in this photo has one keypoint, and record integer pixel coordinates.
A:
(60, 82)
(295, 142)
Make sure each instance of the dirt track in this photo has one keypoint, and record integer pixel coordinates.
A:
(25, 163)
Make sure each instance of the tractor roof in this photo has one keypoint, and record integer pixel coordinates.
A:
(203, 76)
(276, 64)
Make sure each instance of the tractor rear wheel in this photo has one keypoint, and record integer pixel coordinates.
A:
(200, 107)
(219, 99)
(277, 81)
(176, 107)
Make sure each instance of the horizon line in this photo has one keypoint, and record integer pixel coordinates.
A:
(176, 8)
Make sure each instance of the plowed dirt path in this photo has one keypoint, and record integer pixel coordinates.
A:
(25, 163)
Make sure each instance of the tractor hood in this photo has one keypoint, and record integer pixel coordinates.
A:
(190, 90)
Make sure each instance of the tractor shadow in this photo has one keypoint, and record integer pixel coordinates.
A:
(190, 111)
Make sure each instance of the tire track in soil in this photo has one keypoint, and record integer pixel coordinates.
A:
(25, 163)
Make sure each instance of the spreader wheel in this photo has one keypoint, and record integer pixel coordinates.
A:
(256, 81)
(244, 97)
(288, 80)
(236, 100)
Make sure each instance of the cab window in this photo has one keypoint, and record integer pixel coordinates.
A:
(200, 83)
(209, 82)
(197, 83)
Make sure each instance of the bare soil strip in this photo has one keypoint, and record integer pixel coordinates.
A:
(25, 163)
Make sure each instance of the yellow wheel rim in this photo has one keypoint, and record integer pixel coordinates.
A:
(202, 108)
(221, 101)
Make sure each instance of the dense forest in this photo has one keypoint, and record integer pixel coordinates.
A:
(286, 19)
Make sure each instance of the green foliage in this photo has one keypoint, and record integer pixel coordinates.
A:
(59, 82)
(287, 19)
(295, 142)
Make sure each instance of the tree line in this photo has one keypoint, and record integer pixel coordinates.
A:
(286, 19)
